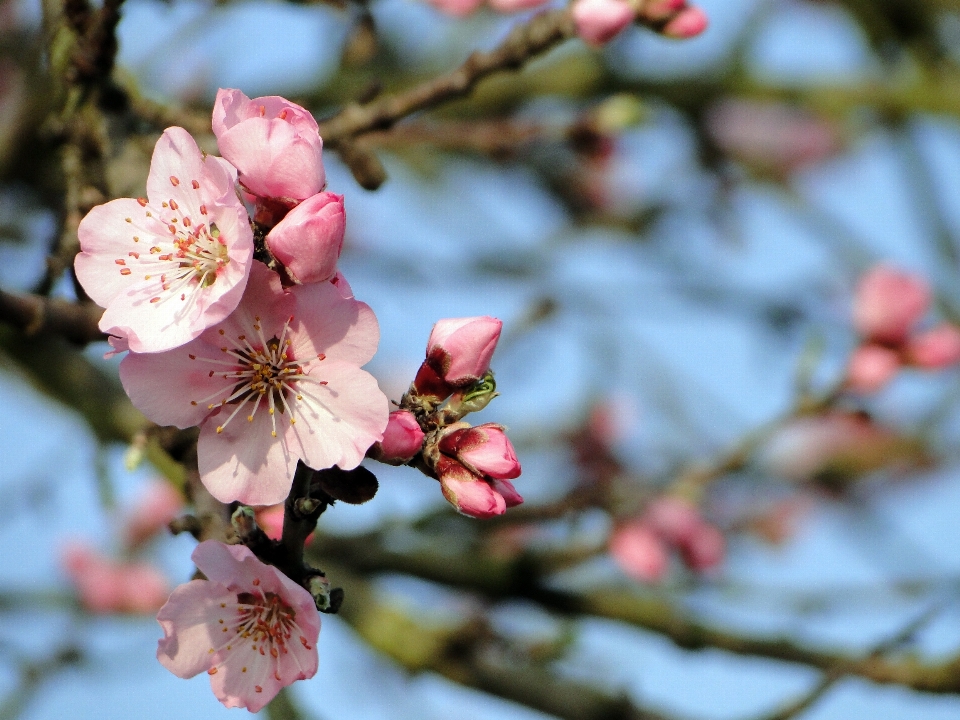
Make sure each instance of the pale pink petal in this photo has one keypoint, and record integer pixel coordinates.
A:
(175, 387)
(106, 236)
(460, 349)
(673, 518)
(688, 23)
(326, 323)
(177, 162)
(190, 622)
(336, 423)
(245, 462)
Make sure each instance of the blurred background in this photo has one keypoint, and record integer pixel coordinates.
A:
(673, 233)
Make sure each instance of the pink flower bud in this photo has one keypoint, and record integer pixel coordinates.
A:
(871, 367)
(402, 439)
(274, 144)
(936, 348)
(704, 549)
(469, 494)
(308, 241)
(673, 518)
(484, 450)
(158, 505)
(459, 349)
(639, 551)
(888, 303)
(688, 23)
(599, 21)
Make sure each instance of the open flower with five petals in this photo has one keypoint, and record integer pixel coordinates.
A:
(170, 265)
(250, 627)
(276, 382)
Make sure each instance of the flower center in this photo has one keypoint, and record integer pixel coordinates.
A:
(267, 621)
(262, 373)
(184, 252)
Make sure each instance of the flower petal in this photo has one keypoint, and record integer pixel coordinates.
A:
(191, 627)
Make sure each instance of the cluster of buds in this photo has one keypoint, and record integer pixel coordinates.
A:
(887, 307)
(641, 546)
(474, 465)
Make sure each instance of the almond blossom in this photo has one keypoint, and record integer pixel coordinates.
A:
(251, 628)
(274, 143)
(277, 382)
(170, 265)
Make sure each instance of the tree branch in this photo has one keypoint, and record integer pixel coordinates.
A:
(36, 315)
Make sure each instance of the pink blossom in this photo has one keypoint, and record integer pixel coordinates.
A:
(485, 450)
(835, 442)
(107, 586)
(276, 382)
(599, 21)
(772, 135)
(308, 241)
(459, 349)
(472, 495)
(871, 367)
(673, 518)
(402, 439)
(273, 143)
(153, 511)
(688, 23)
(936, 348)
(704, 548)
(170, 265)
(270, 520)
(251, 628)
(639, 551)
(888, 303)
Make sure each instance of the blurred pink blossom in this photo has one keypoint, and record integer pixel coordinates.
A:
(871, 367)
(936, 348)
(888, 303)
(248, 626)
(771, 135)
(105, 585)
(639, 551)
(152, 512)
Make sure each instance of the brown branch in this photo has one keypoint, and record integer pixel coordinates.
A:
(468, 654)
(524, 42)
(522, 578)
(35, 315)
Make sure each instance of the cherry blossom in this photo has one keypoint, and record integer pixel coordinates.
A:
(599, 21)
(459, 349)
(105, 585)
(276, 382)
(275, 145)
(251, 628)
(170, 265)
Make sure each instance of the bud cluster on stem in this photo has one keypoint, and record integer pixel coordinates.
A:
(474, 465)
(887, 307)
